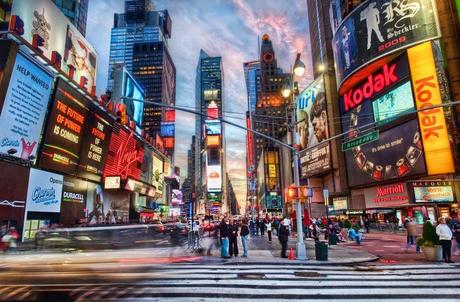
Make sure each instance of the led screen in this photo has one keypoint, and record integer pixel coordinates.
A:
(134, 109)
(214, 178)
(167, 130)
(396, 102)
(213, 127)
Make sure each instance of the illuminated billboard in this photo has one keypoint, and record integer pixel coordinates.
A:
(24, 107)
(169, 142)
(167, 129)
(394, 103)
(214, 178)
(438, 153)
(44, 21)
(157, 174)
(432, 191)
(312, 129)
(212, 127)
(213, 140)
(62, 142)
(380, 27)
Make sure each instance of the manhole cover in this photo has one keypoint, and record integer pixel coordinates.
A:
(251, 276)
(307, 274)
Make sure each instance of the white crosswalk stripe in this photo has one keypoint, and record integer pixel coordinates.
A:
(222, 283)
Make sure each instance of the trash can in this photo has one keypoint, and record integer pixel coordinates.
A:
(321, 250)
(333, 239)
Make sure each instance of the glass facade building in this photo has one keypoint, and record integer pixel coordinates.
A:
(76, 11)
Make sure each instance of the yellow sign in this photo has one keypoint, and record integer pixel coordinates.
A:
(271, 170)
(432, 122)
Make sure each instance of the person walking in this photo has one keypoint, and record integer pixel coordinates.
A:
(252, 227)
(445, 237)
(224, 234)
(456, 233)
(268, 225)
(367, 224)
(411, 231)
(262, 227)
(283, 236)
(244, 237)
(233, 236)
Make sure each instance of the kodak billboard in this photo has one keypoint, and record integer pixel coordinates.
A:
(432, 122)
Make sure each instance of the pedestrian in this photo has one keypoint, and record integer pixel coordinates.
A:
(262, 227)
(233, 236)
(367, 224)
(283, 236)
(252, 227)
(456, 233)
(224, 234)
(411, 231)
(276, 225)
(445, 237)
(9, 239)
(257, 224)
(268, 225)
(213, 240)
(244, 237)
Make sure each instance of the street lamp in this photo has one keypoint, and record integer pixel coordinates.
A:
(288, 90)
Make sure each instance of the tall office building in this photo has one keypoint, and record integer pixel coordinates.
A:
(270, 118)
(139, 41)
(76, 11)
(209, 145)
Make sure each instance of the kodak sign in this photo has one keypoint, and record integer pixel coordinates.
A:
(436, 144)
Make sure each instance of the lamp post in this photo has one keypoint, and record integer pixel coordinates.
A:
(288, 90)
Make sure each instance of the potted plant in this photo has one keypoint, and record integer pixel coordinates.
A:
(429, 242)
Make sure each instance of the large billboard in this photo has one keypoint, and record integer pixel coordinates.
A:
(312, 129)
(214, 178)
(397, 153)
(134, 109)
(158, 174)
(24, 108)
(44, 192)
(379, 27)
(62, 143)
(432, 122)
(42, 18)
(432, 191)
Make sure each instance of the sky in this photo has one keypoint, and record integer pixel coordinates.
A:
(226, 28)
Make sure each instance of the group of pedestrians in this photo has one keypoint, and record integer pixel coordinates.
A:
(228, 233)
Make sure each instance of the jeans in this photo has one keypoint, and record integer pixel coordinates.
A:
(410, 240)
(446, 247)
(224, 247)
(244, 241)
(269, 235)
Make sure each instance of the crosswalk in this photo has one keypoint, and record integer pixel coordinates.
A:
(255, 282)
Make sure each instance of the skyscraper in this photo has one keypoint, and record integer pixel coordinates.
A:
(210, 156)
(139, 41)
(76, 11)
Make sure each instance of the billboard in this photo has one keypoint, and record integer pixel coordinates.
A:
(380, 27)
(135, 110)
(312, 129)
(95, 145)
(125, 155)
(62, 142)
(42, 18)
(432, 122)
(176, 197)
(44, 192)
(212, 127)
(214, 178)
(394, 195)
(393, 104)
(435, 191)
(24, 108)
(213, 140)
(74, 190)
(167, 129)
(397, 153)
(157, 175)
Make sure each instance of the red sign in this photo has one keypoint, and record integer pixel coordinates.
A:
(169, 142)
(386, 196)
(249, 144)
(170, 116)
(125, 155)
(212, 113)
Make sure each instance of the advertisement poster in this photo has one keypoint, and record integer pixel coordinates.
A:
(43, 18)
(106, 206)
(377, 28)
(212, 127)
(397, 153)
(158, 176)
(95, 145)
(312, 128)
(125, 155)
(135, 110)
(214, 178)
(432, 191)
(62, 143)
(74, 190)
(24, 108)
(44, 192)
(397, 102)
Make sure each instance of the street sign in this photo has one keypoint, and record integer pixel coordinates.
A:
(362, 140)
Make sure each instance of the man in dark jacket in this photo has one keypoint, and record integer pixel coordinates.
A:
(224, 234)
(233, 235)
(283, 237)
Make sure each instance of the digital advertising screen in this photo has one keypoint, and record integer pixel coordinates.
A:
(394, 103)
(95, 145)
(312, 129)
(167, 129)
(213, 140)
(24, 109)
(214, 178)
(157, 174)
(134, 109)
(63, 140)
(74, 190)
(380, 27)
(432, 191)
(213, 127)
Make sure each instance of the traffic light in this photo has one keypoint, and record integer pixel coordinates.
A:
(122, 118)
(292, 193)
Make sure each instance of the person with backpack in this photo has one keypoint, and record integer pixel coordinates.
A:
(283, 236)
(244, 233)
